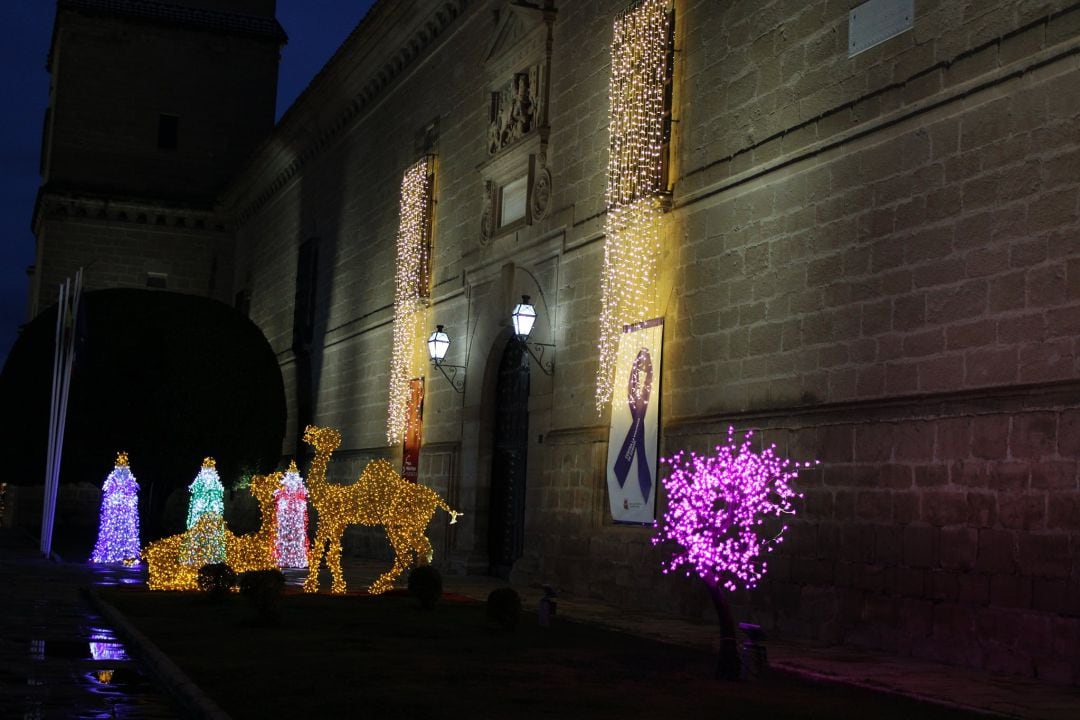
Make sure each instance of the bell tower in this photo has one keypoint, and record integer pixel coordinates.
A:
(153, 106)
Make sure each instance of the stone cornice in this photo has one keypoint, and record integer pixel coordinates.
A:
(166, 13)
(52, 205)
(353, 80)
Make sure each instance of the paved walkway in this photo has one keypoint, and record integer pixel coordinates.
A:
(58, 658)
(56, 654)
(953, 686)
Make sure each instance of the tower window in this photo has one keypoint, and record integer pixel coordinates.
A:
(168, 131)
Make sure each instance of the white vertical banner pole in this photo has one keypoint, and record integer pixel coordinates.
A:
(66, 358)
(46, 509)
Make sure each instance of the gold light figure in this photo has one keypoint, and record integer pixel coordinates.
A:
(380, 496)
(254, 551)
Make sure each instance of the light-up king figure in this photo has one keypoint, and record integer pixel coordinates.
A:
(204, 543)
(118, 530)
(290, 533)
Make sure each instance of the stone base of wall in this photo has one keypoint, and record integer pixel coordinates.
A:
(946, 528)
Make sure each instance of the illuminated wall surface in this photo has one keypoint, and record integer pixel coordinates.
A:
(720, 511)
(866, 258)
(290, 509)
(411, 292)
(639, 51)
(118, 529)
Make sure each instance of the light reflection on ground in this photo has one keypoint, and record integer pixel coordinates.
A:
(58, 659)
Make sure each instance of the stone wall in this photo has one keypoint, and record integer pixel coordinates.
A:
(112, 77)
(184, 250)
(115, 202)
(871, 260)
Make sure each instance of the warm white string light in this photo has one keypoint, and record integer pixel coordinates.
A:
(639, 62)
(411, 291)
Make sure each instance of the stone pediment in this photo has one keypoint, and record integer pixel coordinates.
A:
(517, 63)
(518, 23)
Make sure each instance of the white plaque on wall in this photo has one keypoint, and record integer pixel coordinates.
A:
(875, 21)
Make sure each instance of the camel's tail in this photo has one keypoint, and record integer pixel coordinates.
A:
(454, 514)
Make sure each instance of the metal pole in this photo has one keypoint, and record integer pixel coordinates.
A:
(65, 359)
(46, 508)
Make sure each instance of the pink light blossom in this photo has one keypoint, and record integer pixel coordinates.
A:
(717, 511)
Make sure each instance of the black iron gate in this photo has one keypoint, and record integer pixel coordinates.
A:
(506, 530)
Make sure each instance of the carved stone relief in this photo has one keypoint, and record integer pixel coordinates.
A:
(515, 108)
(541, 195)
(516, 177)
(487, 219)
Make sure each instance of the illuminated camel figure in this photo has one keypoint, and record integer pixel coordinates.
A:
(378, 497)
(254, 551)
(162, 557)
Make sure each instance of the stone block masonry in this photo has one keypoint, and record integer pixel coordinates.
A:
(870, 260)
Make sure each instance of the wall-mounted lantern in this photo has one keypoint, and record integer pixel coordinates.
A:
(438, 343)
(523, 317)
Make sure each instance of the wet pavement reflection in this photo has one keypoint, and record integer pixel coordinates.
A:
(58, 658)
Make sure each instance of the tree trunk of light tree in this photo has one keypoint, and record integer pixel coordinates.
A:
(727, 664)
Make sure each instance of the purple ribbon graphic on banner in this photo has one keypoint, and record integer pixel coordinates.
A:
(637, 395)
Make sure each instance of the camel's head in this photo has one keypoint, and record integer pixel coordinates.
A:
(263, 486)
(322, 439)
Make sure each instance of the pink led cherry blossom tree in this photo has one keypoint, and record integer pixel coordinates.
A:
(720, 515)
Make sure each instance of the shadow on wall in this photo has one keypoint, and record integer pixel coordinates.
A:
(321, 198)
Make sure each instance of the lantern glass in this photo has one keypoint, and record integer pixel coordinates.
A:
(524, 316)
(437, 344)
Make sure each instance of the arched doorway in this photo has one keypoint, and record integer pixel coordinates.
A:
(506, 526)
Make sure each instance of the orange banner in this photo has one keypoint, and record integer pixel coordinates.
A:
(414, 422)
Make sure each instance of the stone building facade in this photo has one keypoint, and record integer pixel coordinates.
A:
(152, 109)
(871, 259)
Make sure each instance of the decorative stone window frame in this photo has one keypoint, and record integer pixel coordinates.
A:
(517, 66)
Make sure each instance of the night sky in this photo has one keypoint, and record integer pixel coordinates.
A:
(315, 28)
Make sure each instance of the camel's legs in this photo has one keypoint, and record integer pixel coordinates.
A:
(424, 551)
(333, 561)
(311, 582)
(399, 540)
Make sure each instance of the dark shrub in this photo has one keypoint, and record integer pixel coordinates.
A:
(425, 584)
(157, 360)
(216, 580)
(504, 607)
(263, 589)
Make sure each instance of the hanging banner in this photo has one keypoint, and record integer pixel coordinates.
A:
(635, 424)
(414, 422)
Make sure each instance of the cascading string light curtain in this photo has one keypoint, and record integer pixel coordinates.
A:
(639, 69)
(412, 289)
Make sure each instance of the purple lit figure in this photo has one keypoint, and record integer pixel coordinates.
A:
(118, 531)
